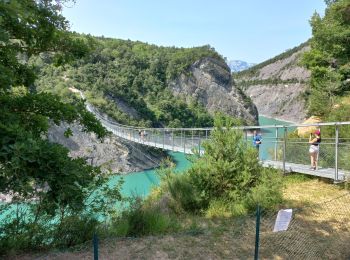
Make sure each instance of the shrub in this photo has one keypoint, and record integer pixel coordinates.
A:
(74, 230)
(227, 179)
(139, 220)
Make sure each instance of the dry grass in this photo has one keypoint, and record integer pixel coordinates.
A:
(319, 230)
(345, 100)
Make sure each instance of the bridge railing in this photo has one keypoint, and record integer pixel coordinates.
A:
(279, 143)
(290, 144)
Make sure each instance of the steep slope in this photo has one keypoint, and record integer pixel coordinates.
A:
(210, 83)
(277, 86)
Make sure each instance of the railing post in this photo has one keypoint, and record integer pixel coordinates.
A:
(163, 137)
(95, 242)
(172, 134)
(284, 149)
(336, 152)
(199, 143)
(154, 137)
(276, 143)
(183, 139)
(192, 139)
(206, 134)
(257, 233)
(246, 136)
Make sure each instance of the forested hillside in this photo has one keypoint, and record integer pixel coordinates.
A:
(329, 63)
(127, 80)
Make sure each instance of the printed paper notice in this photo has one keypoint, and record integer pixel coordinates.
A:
(283, 219)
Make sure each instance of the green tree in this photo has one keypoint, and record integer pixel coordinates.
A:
(329, 57)
(29, 163)
(51, 192)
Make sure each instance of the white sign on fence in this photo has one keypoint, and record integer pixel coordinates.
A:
(283, 219)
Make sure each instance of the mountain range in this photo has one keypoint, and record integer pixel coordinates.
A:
(239, 65)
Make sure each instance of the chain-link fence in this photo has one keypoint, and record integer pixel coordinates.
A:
(316, 231)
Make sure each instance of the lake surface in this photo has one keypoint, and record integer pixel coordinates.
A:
(141, 183)
(268, 136)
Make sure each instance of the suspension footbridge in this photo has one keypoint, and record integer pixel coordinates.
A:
(280, 150)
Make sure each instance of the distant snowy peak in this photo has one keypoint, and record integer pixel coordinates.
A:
(239, 65)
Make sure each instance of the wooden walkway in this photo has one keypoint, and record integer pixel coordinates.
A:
(328, 173)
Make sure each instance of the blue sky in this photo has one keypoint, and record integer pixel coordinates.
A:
(249, 30)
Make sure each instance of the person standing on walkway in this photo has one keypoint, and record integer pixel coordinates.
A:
(314, 142)
(257, 141)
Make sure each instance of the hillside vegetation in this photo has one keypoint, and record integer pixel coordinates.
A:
(329, 63)
(133, 75)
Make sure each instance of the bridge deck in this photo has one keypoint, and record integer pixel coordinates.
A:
(305, 169)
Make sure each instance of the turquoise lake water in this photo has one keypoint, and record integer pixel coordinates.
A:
(268, 136)
(141, 183)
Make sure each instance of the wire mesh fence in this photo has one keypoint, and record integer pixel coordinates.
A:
(316, 231)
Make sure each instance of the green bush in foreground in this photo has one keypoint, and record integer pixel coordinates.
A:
(226, 180)
(140, 219)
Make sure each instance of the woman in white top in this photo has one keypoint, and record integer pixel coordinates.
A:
(314, 148)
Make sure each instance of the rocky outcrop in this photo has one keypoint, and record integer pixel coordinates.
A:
(280, 101)
(209, 82)
(112, 154)
(277, 87)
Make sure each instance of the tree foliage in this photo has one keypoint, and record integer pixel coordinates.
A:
(55, 199)
(329, 58)
(32, 169)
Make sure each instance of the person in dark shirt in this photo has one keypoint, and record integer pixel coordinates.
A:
(257, 141)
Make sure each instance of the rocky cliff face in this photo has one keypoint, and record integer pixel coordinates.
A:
(112, 154)
(209, 81)
(277, 87)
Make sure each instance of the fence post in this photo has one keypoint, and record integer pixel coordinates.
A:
(284, 149)
(276, 143)
(172, 134)
(257, 233)
(95, 241)
(336, 153)
(183, 140)
(192, 139)
(163, 137)
(199, 143)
